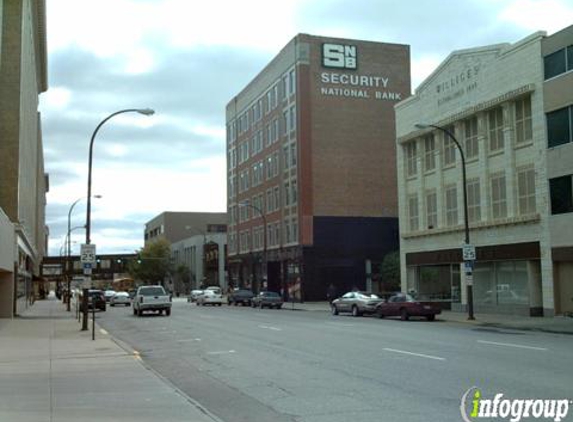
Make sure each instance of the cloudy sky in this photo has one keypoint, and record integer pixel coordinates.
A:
(186, 60)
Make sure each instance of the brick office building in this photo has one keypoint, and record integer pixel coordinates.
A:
(311, 166)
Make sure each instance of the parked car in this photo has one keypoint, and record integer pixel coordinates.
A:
(357, 303)
(215, 289)
(120, 298)
(194, 295)
(405, 306)
(151, 298)
(268, 299)
(210, 297)
(108, 295)
(96, 299)
(243, 297)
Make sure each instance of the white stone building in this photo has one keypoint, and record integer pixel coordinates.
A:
(492, 99)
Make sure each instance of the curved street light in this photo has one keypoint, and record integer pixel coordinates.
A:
(69, 246)
(262, 214)
(466, 220)
(144, 111)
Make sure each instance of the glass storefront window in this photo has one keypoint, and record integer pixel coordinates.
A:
(501, 283)
(435, 283)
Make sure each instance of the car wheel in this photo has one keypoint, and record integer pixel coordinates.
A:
(168, 312)
(404, 314)
(334, 310)
(379, 313)
(431, 317)
(112, 304)
(128, 304)
(134, 311)
(355, 311)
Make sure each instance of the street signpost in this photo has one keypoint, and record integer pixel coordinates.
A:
(469, 252)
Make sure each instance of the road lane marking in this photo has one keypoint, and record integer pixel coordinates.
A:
(521, 346)
(104, 332)
(420, 355)
(136, 355)
(221, 352)
(188, 340)
(266, 327)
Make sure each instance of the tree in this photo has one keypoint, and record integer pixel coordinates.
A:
(153, 263)
(182, 280)
(390, 272)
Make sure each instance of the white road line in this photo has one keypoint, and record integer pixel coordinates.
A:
(188, 340)
(420, 355)
(221, 352)
(495, 343)
(266, 327)
(104, 332)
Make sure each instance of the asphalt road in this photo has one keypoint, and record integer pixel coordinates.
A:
(257, 365)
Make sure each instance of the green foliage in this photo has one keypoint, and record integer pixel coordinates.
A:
(153, 264)
(390, 272)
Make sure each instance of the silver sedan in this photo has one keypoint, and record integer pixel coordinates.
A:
(357, 303)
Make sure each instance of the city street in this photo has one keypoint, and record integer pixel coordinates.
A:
(254, 365)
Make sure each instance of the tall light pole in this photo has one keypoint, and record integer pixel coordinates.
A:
(262, 214)
(69, 246)
(468, 263)
(145, 111)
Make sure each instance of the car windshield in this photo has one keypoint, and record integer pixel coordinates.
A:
(270, 294)
(152, 291)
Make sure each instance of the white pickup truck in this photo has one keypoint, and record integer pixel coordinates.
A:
(151, 298)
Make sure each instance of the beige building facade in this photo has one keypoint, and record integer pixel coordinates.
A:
(23, 182)
(493, 100)
(557, 51)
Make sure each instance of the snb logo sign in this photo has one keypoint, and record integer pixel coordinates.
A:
(339, 56)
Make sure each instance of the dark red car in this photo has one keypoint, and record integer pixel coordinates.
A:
(405, 306)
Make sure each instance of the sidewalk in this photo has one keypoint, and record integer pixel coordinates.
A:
(558, 324)
(52, 371)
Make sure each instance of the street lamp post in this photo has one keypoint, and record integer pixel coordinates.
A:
(468, 264)
(69, 245)
(145, 111)
(262, 214)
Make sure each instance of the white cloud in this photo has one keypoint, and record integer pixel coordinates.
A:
(56, 98)
(536, 15)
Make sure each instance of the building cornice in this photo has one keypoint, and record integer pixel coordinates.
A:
(484, 105)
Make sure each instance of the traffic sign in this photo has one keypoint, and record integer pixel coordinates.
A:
(469, 252)
(469, 279)
(88, 253)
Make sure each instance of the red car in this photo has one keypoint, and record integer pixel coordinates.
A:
(405, 306)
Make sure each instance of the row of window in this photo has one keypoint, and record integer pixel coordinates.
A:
(561, 192)
(262, 139)
(452, 201)
(248, 240)
(467, 133)
(268, 169)
(262, 106)
(559, 62)
(267, 202)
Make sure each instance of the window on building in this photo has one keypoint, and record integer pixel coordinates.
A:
(495, 128)
(294, 229)
(451, 205)
(498, 196)
(276, 198)
(559, 130)
(555, 63)
(561, 192)
(275, 130)
(294, 192)
(413, 213)
(268, 135)
(287, 234)
(293, 154)
(474, 197)
(286, 119)
(449, 147)
(286, 163)
(292, 119)
(287, 193)
(411, 159)
(292, 82)
(523, 130)
(429, 153)
(432, 210)
(471, 138)
(526, 191)
(270, 201)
